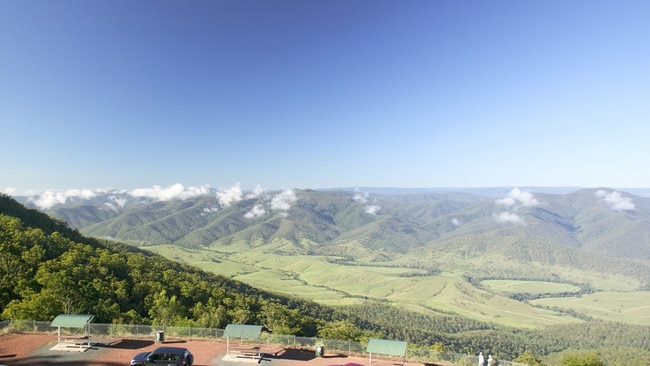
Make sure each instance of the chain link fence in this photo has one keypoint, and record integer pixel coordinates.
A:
(423, 355)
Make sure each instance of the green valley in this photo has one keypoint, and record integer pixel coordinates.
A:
(330, 282)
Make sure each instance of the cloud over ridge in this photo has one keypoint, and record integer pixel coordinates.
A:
(225, 197)
(615, 200)
(516, 198)
(362, 197)
(231, 195)
(174, 191)
(50, 198)
(512, 202)
(283, 200)
(256, 211)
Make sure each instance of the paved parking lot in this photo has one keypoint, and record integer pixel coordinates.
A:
(36, 349)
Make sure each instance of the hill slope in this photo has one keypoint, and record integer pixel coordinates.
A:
(338, 246)
(47, 269)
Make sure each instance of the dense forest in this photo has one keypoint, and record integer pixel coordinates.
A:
(47, 268)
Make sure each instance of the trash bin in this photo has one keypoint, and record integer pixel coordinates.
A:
(320, 350)
(160, 336)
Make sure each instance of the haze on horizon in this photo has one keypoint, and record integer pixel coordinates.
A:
(317, 94)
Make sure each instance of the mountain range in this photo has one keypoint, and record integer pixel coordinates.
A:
(601, 222)
(595, 239)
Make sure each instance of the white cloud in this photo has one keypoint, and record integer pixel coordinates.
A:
(508, 216)
(230, 195)
(50, 198)
(515, 200)
(372, 209)
(256, 211)
(517, 197)
(176, 191)
(9, 190)
(115, 203)
(120, 201)
(283, 200)
(257, 192)
(111, 206)
(226, 197)
(361, 197)
(616, 201)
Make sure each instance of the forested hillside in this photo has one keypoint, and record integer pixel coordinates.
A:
(46, 269)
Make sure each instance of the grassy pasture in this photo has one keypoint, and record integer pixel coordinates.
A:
(349, 284)
(529, 287)
(318, 279)
(624, 307)
(463, 298)
(598, 281)
(286, 284)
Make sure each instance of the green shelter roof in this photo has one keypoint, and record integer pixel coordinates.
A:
(243, 331)
(72, 320)
(386, 347)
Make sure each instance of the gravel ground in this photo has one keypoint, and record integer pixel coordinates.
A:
(35, 349)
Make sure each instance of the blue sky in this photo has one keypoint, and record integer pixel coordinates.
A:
(317, 94)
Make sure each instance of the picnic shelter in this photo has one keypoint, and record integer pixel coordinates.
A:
(396, 350)
(73, 321)
(243, 340)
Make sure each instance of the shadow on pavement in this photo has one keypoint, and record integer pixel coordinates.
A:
(127, 344)
(54, 360)
(299, 355)
(171, 341)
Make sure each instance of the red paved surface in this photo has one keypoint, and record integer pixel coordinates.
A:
(34, 349)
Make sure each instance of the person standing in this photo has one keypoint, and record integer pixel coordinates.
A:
(481, 359)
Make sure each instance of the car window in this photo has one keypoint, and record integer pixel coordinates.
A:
(165, 357)
(168, 357)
